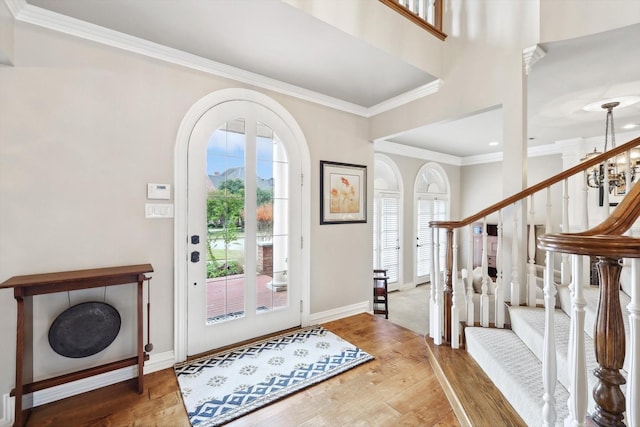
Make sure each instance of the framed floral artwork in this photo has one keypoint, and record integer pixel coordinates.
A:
(343, 193)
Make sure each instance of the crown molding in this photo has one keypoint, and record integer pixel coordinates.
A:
(531, 55)
(482, 158)
(417, 93)
(388, 147)
(415, 152)
(537, 151)
(65, 24)
(544, 150)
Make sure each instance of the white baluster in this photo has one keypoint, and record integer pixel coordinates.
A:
(548, 228)
(585, 205)
(565, 266)
(469, 291)
(633, 376)
(455, 308)
(499, 294)
(432, 277)
(549, 370)
(531, 278)
(577, 402)
(484, 298)
(439, 309)
(515, 280)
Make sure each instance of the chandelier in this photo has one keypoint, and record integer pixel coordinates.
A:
(613, 170)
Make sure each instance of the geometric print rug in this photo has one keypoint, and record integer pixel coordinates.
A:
(224, 386)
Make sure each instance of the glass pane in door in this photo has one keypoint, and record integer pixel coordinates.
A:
(225, 222)
(423, 243)
(272, 212)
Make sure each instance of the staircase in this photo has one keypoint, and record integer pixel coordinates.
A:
(512, 358)
(549, 373)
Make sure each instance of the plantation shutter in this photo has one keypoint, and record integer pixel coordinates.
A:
(376, 237)
(386, 235)
(390, 237)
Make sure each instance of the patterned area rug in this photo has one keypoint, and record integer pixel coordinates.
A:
(221, 387)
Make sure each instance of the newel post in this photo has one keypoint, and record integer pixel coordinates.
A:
(448, 289)
(609, 341)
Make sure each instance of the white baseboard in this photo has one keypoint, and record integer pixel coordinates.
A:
(155, 363)
(7, 411)
(339, 313)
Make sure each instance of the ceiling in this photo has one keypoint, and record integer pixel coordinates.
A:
(276, 41)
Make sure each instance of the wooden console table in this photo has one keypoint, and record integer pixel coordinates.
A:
(39, 284)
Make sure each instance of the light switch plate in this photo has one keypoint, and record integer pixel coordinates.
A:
(158, 210)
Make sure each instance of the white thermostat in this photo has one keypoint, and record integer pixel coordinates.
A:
(158, 191)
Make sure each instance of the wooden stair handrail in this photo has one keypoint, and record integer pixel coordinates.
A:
(580, 167)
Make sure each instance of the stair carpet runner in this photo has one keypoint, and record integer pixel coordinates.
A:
(513, 358)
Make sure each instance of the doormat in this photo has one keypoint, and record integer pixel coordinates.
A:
(224, 386)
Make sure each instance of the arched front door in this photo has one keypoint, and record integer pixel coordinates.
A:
(244, 259)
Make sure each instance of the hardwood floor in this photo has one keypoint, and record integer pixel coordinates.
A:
(399, 387)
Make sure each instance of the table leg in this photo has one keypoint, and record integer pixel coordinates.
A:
(140, 338)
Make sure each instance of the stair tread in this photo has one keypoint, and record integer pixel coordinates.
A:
(515, 370)
(536, 321)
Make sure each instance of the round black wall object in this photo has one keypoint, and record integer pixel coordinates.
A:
(84, 329)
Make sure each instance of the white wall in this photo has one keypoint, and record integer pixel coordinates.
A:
(83, 129)
(382, 27)
(6, 35)
(571, 18)
(483, 37)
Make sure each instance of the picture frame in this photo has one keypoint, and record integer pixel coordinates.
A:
(343, 193)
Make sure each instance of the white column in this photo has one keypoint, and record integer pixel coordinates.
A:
(572, 151)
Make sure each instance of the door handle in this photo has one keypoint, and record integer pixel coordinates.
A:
(195, 256)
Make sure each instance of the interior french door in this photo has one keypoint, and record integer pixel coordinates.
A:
(428, 209)
(242, 265)
(386, 234)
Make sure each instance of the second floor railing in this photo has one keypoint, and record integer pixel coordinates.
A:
(425, 13)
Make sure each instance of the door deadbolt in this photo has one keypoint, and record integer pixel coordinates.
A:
(195, 256)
